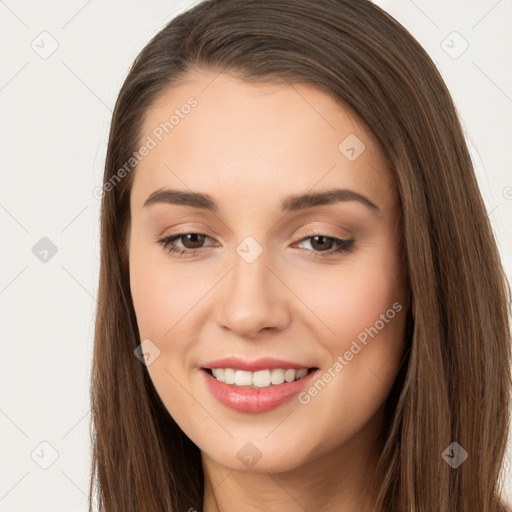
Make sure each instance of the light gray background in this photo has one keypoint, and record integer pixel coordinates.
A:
(54, 121)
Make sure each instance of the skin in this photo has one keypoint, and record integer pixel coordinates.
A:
(248, 146)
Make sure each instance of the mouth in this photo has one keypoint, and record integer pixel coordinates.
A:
(256, 391)
(265, 378)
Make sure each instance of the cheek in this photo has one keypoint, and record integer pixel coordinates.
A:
(168, 299)
(163, 299)
(365, 355)
(352, 297)
(162, 294)
(368, 327)
(361, 304)
(364, 317)
(150, 297)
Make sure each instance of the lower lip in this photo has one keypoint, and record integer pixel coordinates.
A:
(251, 400)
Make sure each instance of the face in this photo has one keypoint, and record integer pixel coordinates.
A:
(261, 281)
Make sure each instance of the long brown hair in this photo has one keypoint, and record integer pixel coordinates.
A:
(455, 384)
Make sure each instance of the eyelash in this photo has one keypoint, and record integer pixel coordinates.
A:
(344, 246)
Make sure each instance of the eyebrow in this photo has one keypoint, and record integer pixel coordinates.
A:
(289, 204)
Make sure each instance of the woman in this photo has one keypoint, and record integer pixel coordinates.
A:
(301, 303)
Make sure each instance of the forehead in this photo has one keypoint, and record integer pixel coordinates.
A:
(215, 132)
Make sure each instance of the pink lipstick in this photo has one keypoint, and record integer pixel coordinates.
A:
(256, 386)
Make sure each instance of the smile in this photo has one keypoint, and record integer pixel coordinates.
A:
(257, 386)
(259, 379)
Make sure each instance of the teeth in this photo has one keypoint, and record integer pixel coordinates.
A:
(301, 373)
(243, 378)
(229, 376)
(289, 375)
(277, 376)
(259, 379)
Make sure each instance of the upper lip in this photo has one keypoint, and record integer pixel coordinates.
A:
(265, 363)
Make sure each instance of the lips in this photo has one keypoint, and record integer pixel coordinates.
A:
(272, 382)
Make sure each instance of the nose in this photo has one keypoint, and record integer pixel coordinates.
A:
(252, 299)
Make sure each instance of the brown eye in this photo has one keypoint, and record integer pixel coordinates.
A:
(192, 240)
(324, 246)
(320, 243)
(184, 243)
